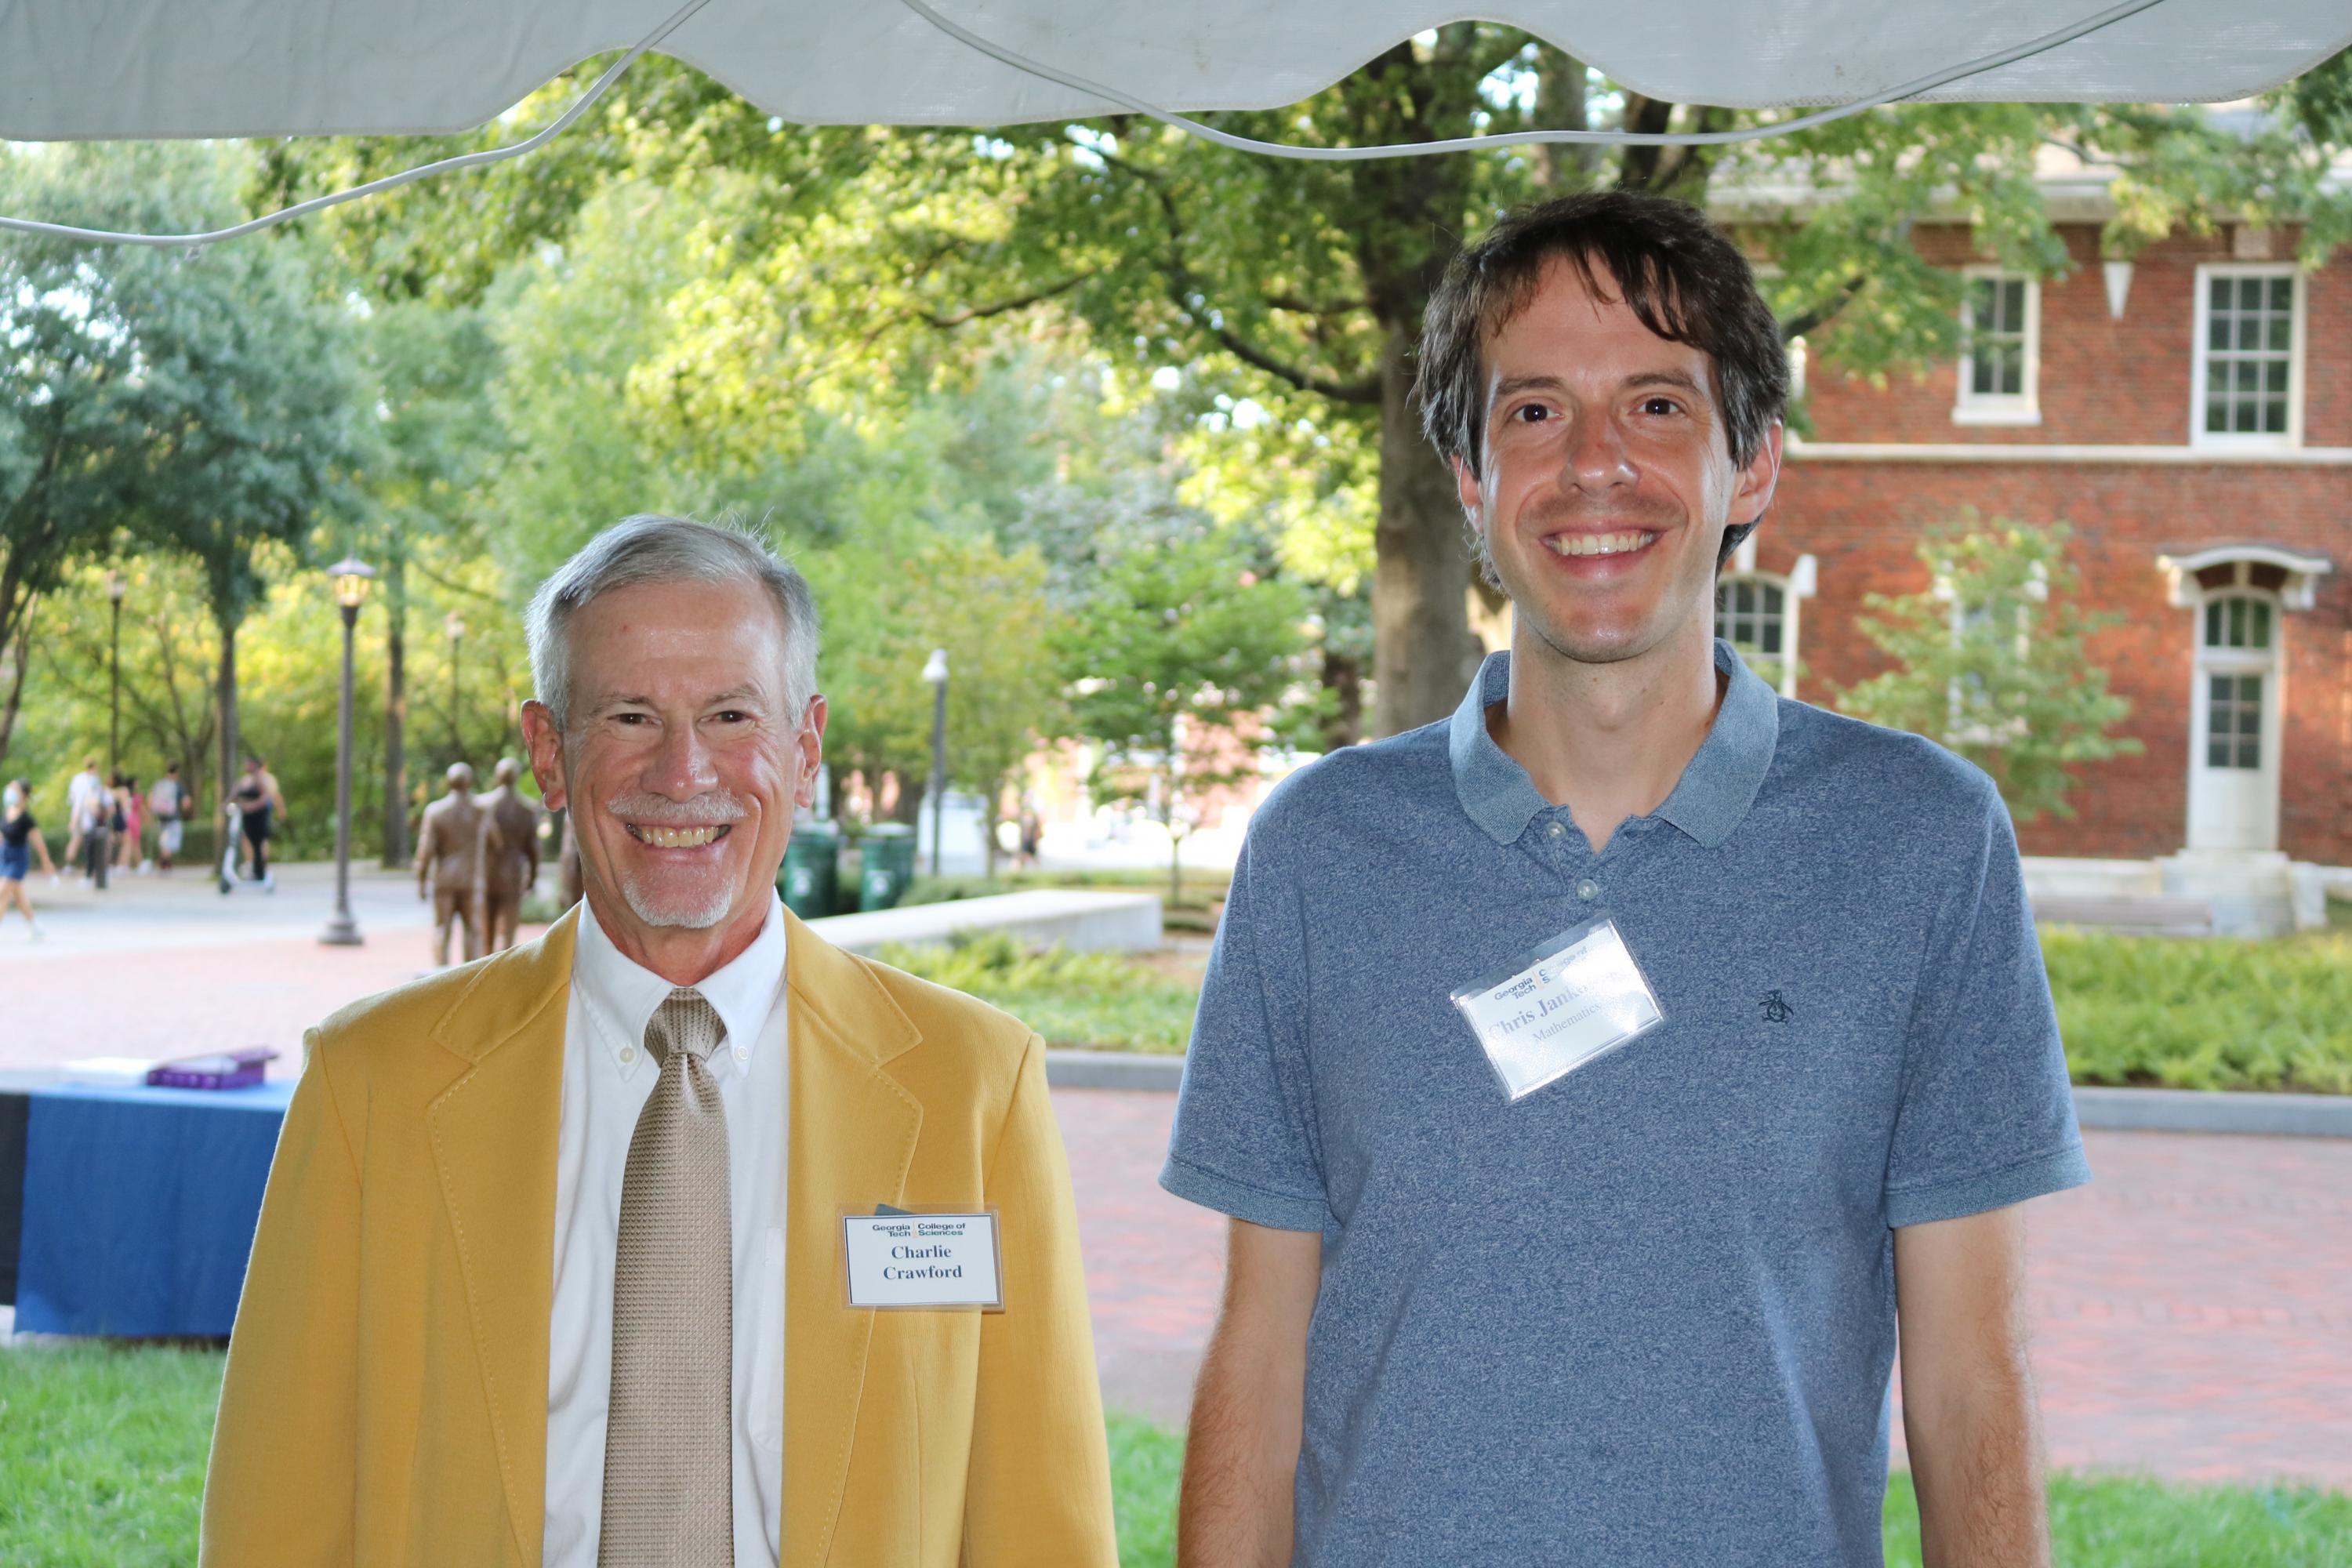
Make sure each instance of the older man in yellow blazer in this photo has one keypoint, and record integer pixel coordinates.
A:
(556, 1263)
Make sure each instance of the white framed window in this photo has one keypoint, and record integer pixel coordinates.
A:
(2001, 348)
(2237, 632)
(1757, 614)
(1751, 614)
(2247, 389)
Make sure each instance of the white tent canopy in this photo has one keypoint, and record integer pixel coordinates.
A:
(124, 69)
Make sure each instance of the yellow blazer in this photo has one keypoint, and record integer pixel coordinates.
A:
(386, 1393)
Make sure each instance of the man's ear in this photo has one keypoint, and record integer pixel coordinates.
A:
(1758, 479)
(544, 741)
(1466, 488)
(810, 743)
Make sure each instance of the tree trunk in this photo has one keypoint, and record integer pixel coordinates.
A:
(1343, 678)
(1563, 92)
(1423, 653)
(395, 715)
(13, 700)
(227, 697)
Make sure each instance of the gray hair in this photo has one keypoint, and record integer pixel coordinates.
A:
(649, 548)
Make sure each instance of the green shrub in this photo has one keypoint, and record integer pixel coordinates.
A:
(1101, 1000)
(2205, 1014)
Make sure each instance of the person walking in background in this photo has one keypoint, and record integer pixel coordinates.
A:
(510, 857)
(20, 841)
(94, 827)
(449, 847)
(255, 801)
(168, 804)
(79, 789)
(130, 839)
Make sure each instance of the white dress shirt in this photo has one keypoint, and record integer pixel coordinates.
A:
(607, 1074)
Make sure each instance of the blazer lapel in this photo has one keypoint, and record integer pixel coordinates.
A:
(853, 1139)
(493, 1138)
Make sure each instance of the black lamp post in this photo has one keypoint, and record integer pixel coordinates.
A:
(352, 576)
(455, 626)
(935, 671)
(115, 588)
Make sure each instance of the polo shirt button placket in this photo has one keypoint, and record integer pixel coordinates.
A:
(1588, 889)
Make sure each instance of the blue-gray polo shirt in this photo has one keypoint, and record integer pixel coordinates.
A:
(1645, 1315)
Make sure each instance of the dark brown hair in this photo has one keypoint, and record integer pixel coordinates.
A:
(1677, 272)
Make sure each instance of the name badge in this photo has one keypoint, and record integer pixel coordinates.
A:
(1560, 1006)
(898, 1260)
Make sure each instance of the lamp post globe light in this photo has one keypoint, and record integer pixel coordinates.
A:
(352, 576)
(115, 588)
(935, 672)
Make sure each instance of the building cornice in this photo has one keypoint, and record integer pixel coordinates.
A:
(2149, 455)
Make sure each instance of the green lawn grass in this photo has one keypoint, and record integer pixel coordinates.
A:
(102, 1453)
(2128, 1521)
(1145, 1462)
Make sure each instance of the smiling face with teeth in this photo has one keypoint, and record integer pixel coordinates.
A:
(681, 767)
(1606, 478)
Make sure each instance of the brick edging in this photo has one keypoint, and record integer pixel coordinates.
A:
(2132, 1110)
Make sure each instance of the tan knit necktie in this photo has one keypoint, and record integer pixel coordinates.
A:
(669, 1457)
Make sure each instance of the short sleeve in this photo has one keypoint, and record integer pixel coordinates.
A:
(1986, 1117)
(1243, 1138)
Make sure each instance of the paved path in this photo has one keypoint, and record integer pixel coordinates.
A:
(168, 967)
(2193, 1305)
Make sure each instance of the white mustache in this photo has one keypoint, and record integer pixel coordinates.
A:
(710, 810)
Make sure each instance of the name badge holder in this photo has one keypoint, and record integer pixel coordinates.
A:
(895, 1260)
(1560, 1006)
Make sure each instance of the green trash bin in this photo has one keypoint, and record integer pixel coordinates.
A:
(888, 851)
(807, 878)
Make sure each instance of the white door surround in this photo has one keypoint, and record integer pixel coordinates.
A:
(2237, 693)
(2234, 707)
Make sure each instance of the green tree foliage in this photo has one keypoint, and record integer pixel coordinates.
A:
(1991, 661)
(439, 442)
(199, 403)
(1298, 288)
(1182, 668)
(169, 652)
(868, 261)
(989, 611)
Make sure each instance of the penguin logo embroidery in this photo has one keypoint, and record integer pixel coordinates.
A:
(1776, 1009)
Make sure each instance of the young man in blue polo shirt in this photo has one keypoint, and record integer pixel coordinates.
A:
(1597, 1078)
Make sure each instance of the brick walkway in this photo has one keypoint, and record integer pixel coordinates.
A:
(2193, 1305)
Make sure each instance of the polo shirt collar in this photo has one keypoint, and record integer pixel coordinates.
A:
(1714, 794)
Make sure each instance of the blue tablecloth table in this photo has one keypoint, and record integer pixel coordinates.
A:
(140, 1206)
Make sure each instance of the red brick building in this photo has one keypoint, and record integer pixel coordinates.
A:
(2189, 415)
